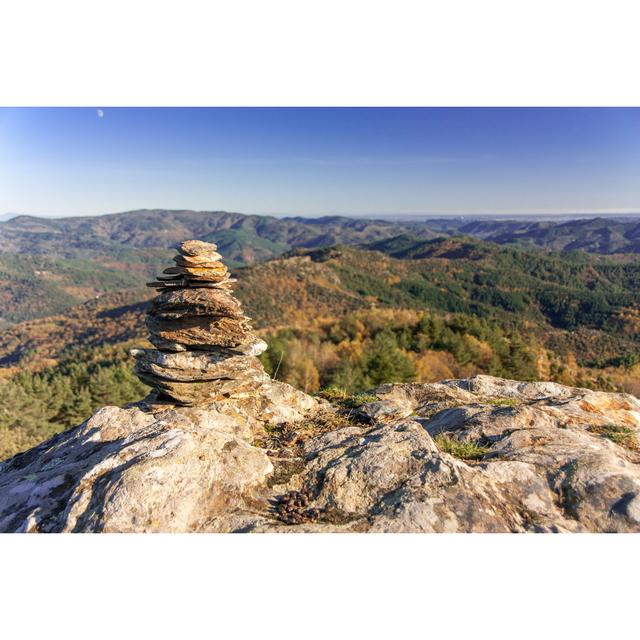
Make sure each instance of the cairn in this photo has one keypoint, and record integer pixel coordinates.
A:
(205, 347)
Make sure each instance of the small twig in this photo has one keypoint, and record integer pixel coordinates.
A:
(275, 373)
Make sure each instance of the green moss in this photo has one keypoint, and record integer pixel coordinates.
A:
(621, 435)
(502, 402)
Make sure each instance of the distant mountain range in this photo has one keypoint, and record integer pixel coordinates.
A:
(594, 235)
(241, 238)
(50, 264)
(249, 238)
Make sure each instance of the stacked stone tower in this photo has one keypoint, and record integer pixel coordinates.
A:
(205, 347)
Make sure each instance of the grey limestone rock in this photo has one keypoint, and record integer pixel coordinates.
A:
(273, 459)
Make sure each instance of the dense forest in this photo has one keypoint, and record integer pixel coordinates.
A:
(35, 406)
(350, 318)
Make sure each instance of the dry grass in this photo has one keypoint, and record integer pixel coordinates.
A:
(346, 400)
(291, 435)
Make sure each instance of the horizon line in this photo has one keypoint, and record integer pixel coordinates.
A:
(8, 216)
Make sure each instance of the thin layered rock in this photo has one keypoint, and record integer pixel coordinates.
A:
(200, 332)
(205, 347)
(198, 265)
(179, 302)
(191, 366)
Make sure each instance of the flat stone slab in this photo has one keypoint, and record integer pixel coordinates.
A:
(196, 366)
(200, 330)
(197, 247)
(202, 392)
(206, 302)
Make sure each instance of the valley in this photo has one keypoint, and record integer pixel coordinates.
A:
(49, 264)
(376, 308)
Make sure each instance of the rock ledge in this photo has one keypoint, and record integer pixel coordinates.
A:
(547, 458)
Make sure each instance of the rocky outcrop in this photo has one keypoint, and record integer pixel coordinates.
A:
(147, 469)
(480, 454)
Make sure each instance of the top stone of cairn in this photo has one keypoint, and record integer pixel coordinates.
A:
(198, 265)
(198, 248)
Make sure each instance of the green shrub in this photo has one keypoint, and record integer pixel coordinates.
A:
(463, 449)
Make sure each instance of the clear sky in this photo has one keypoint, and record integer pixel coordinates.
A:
(315, 161)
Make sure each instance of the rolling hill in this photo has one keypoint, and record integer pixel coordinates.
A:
(351, 317)
(48, 265)
(566, 300)
(594, 235)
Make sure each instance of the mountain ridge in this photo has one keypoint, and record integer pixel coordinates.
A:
(42, 259)
(596, 234)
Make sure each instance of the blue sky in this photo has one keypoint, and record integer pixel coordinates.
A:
(316, 161)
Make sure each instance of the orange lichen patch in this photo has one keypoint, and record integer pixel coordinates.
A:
(606, 403)
(623, 418)
(586, 415)
(587, 406)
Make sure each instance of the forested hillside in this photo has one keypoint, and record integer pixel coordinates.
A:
(594, 235)
(345, 317)
(47, 265)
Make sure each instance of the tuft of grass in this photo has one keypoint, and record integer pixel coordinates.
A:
(465, 450)
(502, 402)
(288, 435)
(621, 435)
(345, 399)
